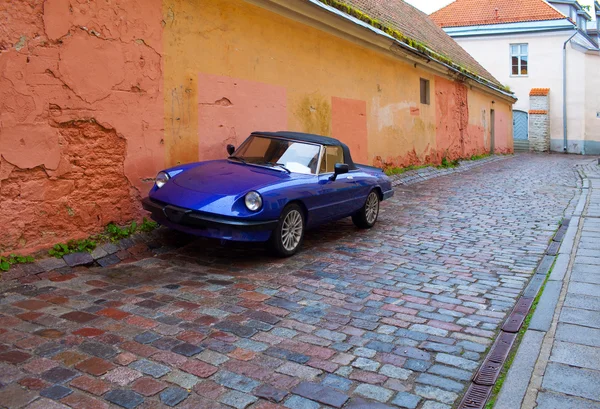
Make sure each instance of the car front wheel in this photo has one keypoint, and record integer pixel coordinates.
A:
(287, 236)
(366, 217)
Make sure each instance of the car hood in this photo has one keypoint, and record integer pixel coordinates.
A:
(224, 177)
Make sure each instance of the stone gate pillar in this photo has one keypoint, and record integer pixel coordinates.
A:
(539, 120)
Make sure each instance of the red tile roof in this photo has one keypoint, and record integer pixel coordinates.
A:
(538, 112)
(416, 25)
(485, 12)
(539, 92)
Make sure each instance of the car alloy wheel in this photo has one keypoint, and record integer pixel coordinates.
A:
(372, 208)
(287, 237)
(366, 217)
(291, 231)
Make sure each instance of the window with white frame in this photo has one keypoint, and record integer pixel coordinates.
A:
(519, 58)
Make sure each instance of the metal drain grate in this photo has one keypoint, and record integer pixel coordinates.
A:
(514, 322)
(475, 397)
(553, 248)
(501, 347)
(534, 286)
(523, 305)
(487, 373)
(545, 265)
(560, 234)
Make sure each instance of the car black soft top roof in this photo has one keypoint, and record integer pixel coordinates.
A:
(312, 138)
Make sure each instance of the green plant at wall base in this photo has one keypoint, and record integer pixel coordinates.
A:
(479, 157)
(148, 225)
(398, 170)
(448, 164)
(6, 262)
(72, 246)
(116, 233)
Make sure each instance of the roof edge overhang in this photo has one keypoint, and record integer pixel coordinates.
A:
(316, 14)
(510, 28)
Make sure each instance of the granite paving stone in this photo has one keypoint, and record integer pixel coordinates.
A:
(393, 316)
(124, 398)
(173, 396)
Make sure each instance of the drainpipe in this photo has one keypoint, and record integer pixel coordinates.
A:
(565, 91)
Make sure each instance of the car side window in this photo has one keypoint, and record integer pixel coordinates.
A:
(331, 156)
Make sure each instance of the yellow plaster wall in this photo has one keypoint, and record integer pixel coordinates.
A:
(235, 39)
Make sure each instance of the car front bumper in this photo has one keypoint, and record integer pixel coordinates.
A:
(388, 194)
(208, 225)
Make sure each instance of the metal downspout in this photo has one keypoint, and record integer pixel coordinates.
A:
(565, 91)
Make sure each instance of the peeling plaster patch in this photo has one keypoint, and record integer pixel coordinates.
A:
(349, 124)
(21, 43)
(386, 114)
(229, 109)
(56, 18)
(314, 113)
(91, 67)
(34, 208)
(29, 145)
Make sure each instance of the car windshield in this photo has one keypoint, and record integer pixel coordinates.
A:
(291, 156)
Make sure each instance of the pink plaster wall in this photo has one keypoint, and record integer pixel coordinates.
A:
(229, 109)
(349, 125)
(503, 132)
(452, 118)
(71, 70)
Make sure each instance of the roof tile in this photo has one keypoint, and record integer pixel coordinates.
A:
(539, 92)
(463, 13)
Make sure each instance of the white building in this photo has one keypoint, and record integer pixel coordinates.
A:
(527, 45)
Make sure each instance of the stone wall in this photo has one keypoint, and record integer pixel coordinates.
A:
(539, 120)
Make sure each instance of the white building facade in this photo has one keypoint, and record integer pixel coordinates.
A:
(560, 55)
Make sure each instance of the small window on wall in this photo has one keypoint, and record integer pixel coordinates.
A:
(519, 59)
(424, 91)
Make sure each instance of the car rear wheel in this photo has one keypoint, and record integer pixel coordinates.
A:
(366, 217)
(287, 236)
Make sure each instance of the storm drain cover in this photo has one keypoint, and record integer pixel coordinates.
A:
(475, 397)
(488, 373)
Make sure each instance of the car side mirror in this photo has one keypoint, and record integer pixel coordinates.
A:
(340, 169)
(230, 149)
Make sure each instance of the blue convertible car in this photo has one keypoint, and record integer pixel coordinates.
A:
(272, 188)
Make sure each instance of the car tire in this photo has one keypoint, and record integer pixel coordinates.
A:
(366, 217)
(287, 237)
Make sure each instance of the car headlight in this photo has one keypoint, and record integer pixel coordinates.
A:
(253, 201)
(161, 179)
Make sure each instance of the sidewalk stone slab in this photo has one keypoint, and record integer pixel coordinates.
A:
(585, 302)
(550, 400)
(542, 318)
(578, 382)
(582, 356)
(584, 288)
(516, 382)
(578, 334)
(580, 317)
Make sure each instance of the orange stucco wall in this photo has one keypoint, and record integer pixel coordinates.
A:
(81, 116)
(96, 97)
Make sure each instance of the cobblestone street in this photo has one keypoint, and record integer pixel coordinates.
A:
(395, 317)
